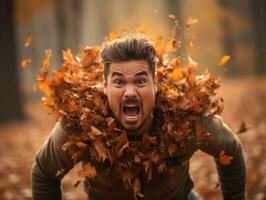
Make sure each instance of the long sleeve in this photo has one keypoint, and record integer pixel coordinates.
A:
(49, 160)
(231, 175)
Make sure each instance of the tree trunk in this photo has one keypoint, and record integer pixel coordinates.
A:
(10, 102)
(228, 40)
(259, 21)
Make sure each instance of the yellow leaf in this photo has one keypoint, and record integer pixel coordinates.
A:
(223, 60)
(177, 74)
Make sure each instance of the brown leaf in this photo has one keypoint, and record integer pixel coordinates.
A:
(242, 128)
(171, 149)
(88, 171)
(102, 152)
(96, 131)
(225, 159)
(25, 63)
(28, 41)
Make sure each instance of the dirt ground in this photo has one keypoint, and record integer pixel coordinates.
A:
(244, 101)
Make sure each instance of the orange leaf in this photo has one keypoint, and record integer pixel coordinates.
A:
(225, 159)
(191, 21)
(223, 60)
(28, 41)
(25, 63)
(88, 171)
(177, 74)
(96, 131)
(100, 150)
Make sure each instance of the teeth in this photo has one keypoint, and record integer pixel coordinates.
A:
(131, 106)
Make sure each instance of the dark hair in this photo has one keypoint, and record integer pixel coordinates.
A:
(126, 49)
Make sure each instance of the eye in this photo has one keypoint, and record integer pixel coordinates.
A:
(118, 82)
(141, 82)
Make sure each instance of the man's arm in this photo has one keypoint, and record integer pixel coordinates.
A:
(231, 175)
(50, 159)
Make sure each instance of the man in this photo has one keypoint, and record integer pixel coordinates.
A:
(131, 86)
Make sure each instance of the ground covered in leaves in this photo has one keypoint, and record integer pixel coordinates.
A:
(244, 101)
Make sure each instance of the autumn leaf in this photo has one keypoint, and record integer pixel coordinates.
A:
(100, 150)
(191, 21)
(60, 172)
(171, 17)
(28, 41)
(190, 45)
(177, 74)
(88, 171)
(225, 159)
(96, 131)
(25, 63)
(242, 128)
(222, 61)
(81, 145)
(171, 149)
(112, 36)
(44, 66)
(136, 189)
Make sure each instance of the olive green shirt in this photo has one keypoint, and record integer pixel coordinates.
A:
(174, 185)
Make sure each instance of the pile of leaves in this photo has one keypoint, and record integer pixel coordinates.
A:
(74, 93)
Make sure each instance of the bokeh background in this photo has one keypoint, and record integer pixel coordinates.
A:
(236, 28)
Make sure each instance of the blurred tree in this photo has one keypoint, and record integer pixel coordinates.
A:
(68, 24)
(174, 7)
(11, 101)
(228, 40)
(259, 21)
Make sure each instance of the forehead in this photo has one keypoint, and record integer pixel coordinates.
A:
(129, 67)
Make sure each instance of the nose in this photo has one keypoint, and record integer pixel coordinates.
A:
(130, 92)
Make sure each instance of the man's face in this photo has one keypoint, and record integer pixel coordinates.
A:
(131, 88)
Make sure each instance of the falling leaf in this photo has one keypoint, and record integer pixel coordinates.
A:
(225, 159)
(25, 63)
(223, 60)
(28, 41)
(171, 17)
(191, 21)
(190, 45)
(60, 172)
(242, 128)
(177, 74)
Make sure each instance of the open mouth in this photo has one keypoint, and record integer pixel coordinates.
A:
(131, 110)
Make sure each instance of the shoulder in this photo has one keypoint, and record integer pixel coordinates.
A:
(223, 138)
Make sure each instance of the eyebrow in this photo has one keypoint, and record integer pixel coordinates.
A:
(116, 74)
(137, 74)
(141, 73)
